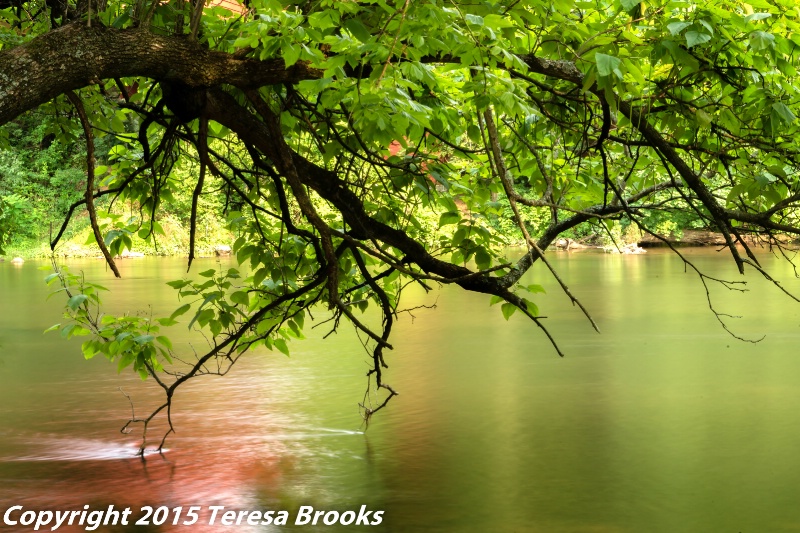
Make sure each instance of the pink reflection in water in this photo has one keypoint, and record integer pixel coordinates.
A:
(68, 473)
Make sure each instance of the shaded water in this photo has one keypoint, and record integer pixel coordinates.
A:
(662, 423)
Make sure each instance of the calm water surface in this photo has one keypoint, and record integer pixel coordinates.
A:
(663, 423)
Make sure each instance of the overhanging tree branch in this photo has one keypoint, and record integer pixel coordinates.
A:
(89, 196)
(75, 56)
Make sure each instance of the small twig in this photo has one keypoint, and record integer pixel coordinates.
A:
(89, 196)
(202, 149)
(125, 429)
(394, 43)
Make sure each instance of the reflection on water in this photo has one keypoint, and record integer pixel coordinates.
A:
(54, 448)
(663, 423)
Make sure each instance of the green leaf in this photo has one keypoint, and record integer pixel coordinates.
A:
(508, 309)
(707, 26)
(324, 19)
(52, 328)
(76, 301)
(703, 118)
(783, 112)
(786, 67)
(757, 16)
(203, 286)
(79, 331)
(628, 5)
(66, 332)
(358, 29)
(259, 276)
(475, 20)
(681, 56)
(693, 38)
(120, 21)
(677, 27)
(449, 218)
(778, 170)
(209, 298)
(89, 349)
(606, 65)
(280, 344)
(765, 178)
(497, 22)
(208, 273)
(240, 297)
(482, 259)
(532, 308)
(143, 339)
(179, 311)
(761, 40)
(164, 341)
(533, 288)
(204, 317)
(291, 54)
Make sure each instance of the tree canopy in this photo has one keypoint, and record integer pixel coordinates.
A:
(361, 146)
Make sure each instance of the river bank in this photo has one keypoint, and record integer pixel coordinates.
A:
(686, 238)
(172, 242)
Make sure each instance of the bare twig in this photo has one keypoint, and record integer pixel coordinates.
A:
(89, 196)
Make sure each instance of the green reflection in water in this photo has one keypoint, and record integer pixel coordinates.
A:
(662, 423)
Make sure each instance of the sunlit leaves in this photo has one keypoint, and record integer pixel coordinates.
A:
(281, 345)
(127, 339)
(508, 310)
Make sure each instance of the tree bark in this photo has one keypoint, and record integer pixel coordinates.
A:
(75, 56)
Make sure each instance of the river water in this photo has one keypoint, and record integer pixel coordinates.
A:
(662, 423)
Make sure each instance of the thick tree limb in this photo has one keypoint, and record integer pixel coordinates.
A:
(74, 56)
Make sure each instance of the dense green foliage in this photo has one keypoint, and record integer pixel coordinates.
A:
(356, 147)
(36, 179)
(42, 175)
